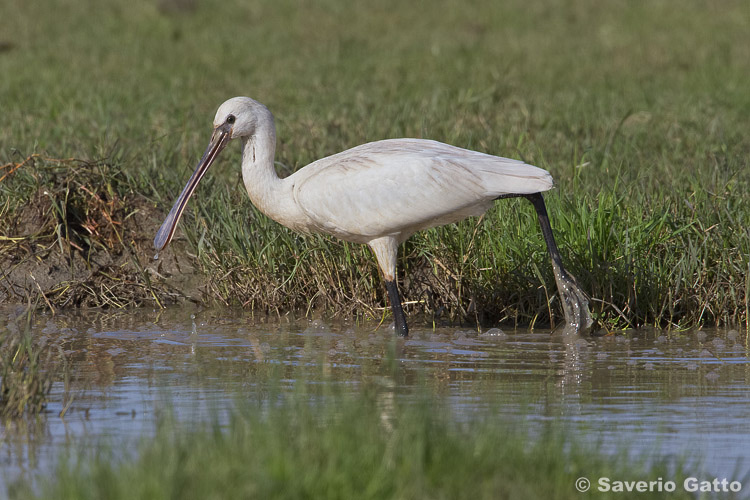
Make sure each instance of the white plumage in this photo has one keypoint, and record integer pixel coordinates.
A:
(379, 193)
(399, 186)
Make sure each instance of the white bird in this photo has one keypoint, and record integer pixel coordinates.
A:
(378, 193)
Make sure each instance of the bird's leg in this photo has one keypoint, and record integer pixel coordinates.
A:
(575, 304)
(386, 251)
(398, 312)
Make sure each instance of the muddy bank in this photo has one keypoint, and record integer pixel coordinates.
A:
(74, 233)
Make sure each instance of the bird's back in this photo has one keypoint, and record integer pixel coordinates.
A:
(399, 186)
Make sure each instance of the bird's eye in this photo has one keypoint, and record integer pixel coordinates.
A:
(231, 119)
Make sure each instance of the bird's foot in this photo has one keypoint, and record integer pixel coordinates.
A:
(401, 329)
(575, 304)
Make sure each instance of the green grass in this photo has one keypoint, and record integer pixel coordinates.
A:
(28, 367)
(332, 446)
(640, 110)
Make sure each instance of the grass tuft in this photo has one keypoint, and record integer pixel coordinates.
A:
(28, 367)
(75, 233)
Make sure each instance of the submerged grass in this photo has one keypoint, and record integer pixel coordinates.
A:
(368, 445)
(638, 109)
(28, 367)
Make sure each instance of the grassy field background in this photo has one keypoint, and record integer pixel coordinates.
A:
(639, 109)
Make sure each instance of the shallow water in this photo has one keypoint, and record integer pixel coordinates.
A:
(678, 394)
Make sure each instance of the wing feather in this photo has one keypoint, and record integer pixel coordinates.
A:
(399, 186)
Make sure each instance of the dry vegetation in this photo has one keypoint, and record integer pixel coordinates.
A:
(79, 238)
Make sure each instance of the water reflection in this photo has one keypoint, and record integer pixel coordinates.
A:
(675, 393)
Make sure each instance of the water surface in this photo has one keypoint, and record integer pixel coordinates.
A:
(681, 394)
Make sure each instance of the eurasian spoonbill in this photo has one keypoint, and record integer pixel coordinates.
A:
(379, 193)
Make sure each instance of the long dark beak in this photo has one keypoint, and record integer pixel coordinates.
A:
(219, 140)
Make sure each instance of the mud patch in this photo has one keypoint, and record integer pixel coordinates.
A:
(75, 233)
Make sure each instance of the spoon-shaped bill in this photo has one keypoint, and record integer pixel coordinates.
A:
(219, 139)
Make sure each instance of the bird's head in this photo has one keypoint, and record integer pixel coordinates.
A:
(237, 117)
(240, 117)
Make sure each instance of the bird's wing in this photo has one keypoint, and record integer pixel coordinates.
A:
(399, 186)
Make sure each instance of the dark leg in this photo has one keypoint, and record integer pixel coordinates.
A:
(549, 238)
(575, 304)
(398, 312)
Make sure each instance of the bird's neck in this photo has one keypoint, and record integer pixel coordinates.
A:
(266, 190)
